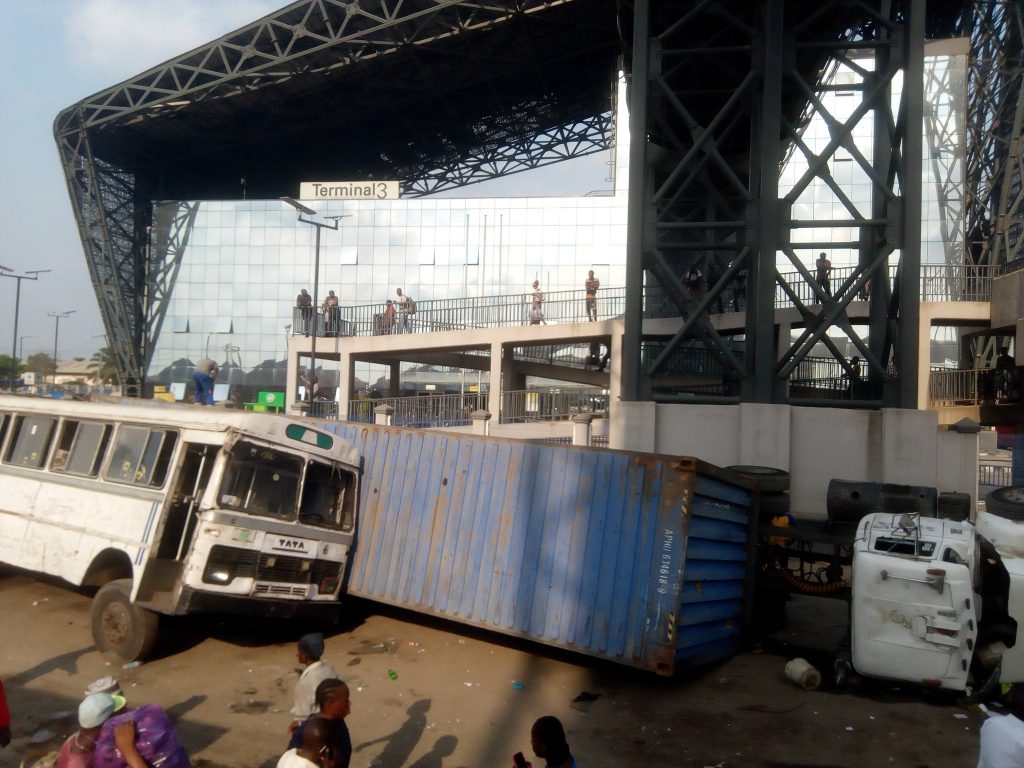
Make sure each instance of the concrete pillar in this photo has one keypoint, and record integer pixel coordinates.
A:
(1017, 457)
(614, 366)
(291, 395)
(346, 372)
(382, 415)
(581, 428)
(494, 388)
(481, 422)
(394, 379)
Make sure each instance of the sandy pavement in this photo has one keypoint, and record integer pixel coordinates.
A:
(464, 697)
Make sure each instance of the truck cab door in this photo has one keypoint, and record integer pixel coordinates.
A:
(912, 619)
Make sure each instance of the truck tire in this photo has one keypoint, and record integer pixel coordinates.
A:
(770, 479)
(119, 627)
(1006, 502)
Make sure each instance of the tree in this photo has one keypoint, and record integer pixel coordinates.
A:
(9, 367)
(106, 368)
(41, 364)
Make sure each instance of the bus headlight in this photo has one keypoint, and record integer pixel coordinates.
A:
(217, 574)
(328, 586)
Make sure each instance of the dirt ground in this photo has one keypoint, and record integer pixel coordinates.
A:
(467, 698)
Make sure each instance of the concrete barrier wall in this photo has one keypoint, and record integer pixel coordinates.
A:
(813, 444)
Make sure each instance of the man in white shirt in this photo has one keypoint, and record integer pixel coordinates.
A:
(309, 650)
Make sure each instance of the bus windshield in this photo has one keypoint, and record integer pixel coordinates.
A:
(261, 481)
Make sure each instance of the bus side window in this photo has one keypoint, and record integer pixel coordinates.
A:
(30, 441)
(156, 459)
(5, 421)
(141, 456)
(80, 448)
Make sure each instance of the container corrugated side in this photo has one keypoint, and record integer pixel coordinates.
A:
(583, 549)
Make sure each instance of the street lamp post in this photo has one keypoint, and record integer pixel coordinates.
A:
(31, 274)
(56, 332)
(21, 347)
(304, 209)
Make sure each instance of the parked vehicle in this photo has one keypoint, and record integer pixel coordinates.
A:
(172, 509)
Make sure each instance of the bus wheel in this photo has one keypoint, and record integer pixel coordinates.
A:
(119, 627)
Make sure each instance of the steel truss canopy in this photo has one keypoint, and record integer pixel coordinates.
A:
(444, 93)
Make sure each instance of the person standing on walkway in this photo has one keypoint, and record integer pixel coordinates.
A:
(387, 319)
(304, 303)
(590, 286)
(536, 314)
(309, 651)
(203, 378)
(331, 313)
(405, 311)
(823, 272)
(693, 279)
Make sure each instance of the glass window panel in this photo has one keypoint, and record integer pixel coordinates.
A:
(31, 441)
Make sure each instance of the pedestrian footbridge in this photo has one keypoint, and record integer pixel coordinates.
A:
(490, 339)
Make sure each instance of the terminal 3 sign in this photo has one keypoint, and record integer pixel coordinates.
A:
(349, 190)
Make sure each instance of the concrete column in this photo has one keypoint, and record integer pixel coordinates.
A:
(345, 378)
(614, 367)
(295, 407)
(481, 422)
(382, 415)
(394, 379)
(494, 388)
(581, 428)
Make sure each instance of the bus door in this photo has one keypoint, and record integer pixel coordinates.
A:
(181, 515)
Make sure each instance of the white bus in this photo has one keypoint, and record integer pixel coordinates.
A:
(172, 509)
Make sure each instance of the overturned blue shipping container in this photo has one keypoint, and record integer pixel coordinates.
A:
(641, 559)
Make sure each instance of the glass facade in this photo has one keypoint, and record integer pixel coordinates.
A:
(245, 261)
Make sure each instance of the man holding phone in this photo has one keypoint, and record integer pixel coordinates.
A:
(547, 737)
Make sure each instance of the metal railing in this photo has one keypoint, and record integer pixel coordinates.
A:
(939, 282)
(456, 314)
(999, 475)
(421, 411)
(958, 387)
(533, 405)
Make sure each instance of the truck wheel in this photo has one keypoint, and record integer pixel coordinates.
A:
(1006, 502)
(770, 479)
(118, 626)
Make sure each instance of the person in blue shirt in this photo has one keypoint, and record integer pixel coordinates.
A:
(334, 705)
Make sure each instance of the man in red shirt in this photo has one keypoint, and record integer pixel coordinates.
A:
(5, 719)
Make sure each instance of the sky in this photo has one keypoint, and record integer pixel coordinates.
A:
(53, 53)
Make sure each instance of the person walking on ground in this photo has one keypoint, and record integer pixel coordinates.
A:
(334, 700)
(823, 271)
(309, 651)
(387, 320)
(316, 750)
(547, 737)
(304, 303)
(203, 378)
(5, 719)
(406, 309)
(590, 287)
(331, 313)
